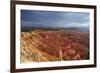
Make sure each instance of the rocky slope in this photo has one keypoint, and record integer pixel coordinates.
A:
(43, 46)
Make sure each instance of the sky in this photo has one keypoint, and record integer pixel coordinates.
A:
(57, 19)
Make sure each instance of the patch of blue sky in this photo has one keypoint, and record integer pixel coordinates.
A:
(36, 18)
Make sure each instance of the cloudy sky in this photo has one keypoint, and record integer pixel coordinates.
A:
(36, 18)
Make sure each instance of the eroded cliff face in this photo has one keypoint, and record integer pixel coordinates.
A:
(43, 46)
